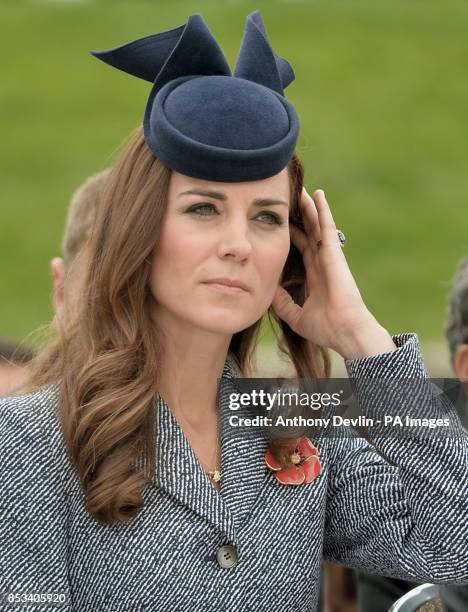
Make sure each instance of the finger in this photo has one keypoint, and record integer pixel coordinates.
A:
(307, 248)
(305, 221)
(329, 235)
(286, 308)
(309, 212)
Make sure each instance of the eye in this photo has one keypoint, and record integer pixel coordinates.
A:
(197, 207)
(275, 219)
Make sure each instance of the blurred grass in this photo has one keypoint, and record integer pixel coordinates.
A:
(382, 93)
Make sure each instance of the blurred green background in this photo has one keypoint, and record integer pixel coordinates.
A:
(381, 89)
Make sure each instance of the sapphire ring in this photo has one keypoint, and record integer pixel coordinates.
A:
(341, 238)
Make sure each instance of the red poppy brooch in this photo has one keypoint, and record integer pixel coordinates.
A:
(305, 464)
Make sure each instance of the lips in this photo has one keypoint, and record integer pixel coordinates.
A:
(227, 282)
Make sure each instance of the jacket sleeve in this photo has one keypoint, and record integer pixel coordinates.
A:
(33, 512)
(399, 506)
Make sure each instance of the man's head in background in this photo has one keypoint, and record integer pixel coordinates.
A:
(80, 220)
(455, 598)
(456, 330)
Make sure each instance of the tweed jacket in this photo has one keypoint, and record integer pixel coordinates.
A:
(401, 511)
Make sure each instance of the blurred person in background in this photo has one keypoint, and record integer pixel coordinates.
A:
(65, 276)
(455, 598)
(456, 330)
(81, 215)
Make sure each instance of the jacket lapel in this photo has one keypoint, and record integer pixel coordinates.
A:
(243, 469)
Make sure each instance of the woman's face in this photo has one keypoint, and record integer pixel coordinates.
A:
(214, 230)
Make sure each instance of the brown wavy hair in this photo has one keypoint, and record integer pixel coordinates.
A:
(106, 353)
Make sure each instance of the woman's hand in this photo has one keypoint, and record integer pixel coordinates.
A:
(334, 314)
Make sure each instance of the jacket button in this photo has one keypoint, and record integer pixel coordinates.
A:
(227, 556)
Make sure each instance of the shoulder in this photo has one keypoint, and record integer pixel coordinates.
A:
(34, 475)
(29, 428)
(29, 413)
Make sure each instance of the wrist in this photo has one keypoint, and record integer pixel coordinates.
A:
(365, 339)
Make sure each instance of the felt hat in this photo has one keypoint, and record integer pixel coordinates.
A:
(200, 119)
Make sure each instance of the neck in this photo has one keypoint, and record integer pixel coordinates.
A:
(192, 363)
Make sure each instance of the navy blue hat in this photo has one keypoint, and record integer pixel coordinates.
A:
(204, 122)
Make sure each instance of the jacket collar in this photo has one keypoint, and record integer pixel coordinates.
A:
(243, 469)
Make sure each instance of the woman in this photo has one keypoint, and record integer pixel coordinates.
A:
(121, 486)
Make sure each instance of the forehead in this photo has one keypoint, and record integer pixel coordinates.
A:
(274, 186)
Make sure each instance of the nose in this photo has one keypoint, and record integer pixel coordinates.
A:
(235, 242)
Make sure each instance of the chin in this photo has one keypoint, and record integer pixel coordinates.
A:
(226, 323)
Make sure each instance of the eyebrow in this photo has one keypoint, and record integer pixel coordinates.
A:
(217, 195)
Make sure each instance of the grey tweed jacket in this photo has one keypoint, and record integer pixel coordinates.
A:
(404, 516)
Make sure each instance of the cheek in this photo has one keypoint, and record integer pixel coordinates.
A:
(271, 262)
(175, 259)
